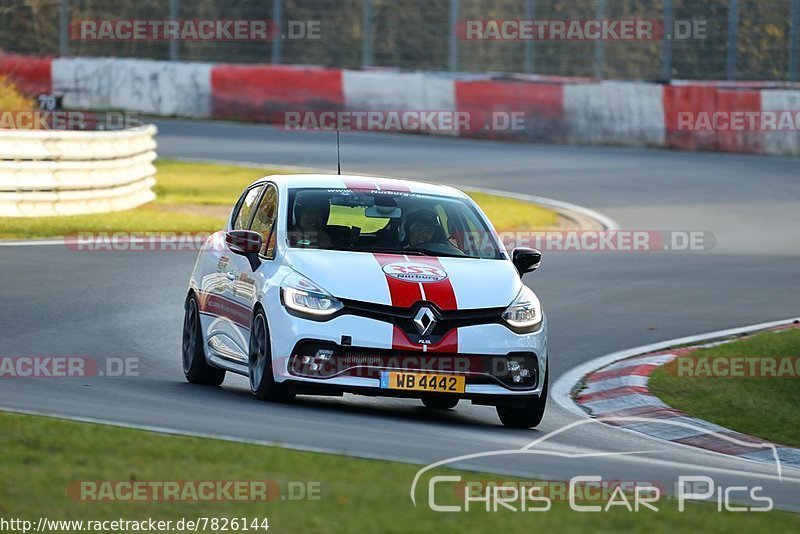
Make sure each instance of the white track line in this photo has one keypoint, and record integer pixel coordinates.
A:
(30, 242)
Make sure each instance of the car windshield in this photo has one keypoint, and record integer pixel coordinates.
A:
(388, 222)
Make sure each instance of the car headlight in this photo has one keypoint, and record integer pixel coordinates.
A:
(525, 312)
(300, 294)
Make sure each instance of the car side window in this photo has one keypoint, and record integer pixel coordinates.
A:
(264, 221)
(246, 206)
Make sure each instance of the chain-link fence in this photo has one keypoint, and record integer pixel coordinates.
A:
(736, 39)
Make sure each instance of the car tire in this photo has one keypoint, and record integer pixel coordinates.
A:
(195, 367)
(440, 403)
(529, 415)
(262, 381)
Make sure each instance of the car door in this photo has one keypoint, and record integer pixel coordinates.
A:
(225, 290)
(244, 282)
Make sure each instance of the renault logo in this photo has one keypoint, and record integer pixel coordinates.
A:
(425, 321)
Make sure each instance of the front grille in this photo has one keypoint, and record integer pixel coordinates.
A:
(403, 318)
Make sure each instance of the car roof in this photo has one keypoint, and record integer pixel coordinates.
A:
(348, 181)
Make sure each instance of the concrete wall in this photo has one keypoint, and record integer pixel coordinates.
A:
(556, 110)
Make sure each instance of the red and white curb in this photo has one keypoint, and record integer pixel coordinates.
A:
(614, 389)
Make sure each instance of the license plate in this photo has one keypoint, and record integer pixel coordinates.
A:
(423, 382)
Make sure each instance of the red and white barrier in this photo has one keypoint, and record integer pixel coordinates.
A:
(264, 92)
(555, 110)
(147, 86)
(781, 143)
(541, 102)
(32, 74)
(614, 113)
(706, 99)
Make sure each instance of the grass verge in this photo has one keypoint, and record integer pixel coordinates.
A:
(44, 456)
(197, 197)
(191, 197)
(765, 407)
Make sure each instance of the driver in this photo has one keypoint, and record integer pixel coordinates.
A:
(422, 227)
(311, 217)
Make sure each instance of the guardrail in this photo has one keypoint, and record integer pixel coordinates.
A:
(50, 173)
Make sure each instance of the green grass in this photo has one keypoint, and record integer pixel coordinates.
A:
(196, 197)
(183, 182)
(149, 218)
(191, 197)
(43, 456)
(510, 214)
(762, 407)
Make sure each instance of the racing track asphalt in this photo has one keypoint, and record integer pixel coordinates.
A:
(58, 302)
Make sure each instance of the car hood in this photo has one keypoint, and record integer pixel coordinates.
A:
(397, 280)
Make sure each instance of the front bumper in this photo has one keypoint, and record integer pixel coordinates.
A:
(480, 346)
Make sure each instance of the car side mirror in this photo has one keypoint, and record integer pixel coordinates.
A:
(526, 260)
(247, 244)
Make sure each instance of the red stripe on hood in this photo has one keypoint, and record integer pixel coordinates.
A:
(405, 294)
(402, 293)
(440, 293)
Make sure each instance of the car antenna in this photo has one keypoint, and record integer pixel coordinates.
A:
(338, 154)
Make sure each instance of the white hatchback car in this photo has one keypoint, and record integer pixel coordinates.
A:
(328, 284)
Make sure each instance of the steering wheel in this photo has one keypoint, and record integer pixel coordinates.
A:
(438, 246)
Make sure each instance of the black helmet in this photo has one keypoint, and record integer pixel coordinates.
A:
(424, 216)
(312, 201)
